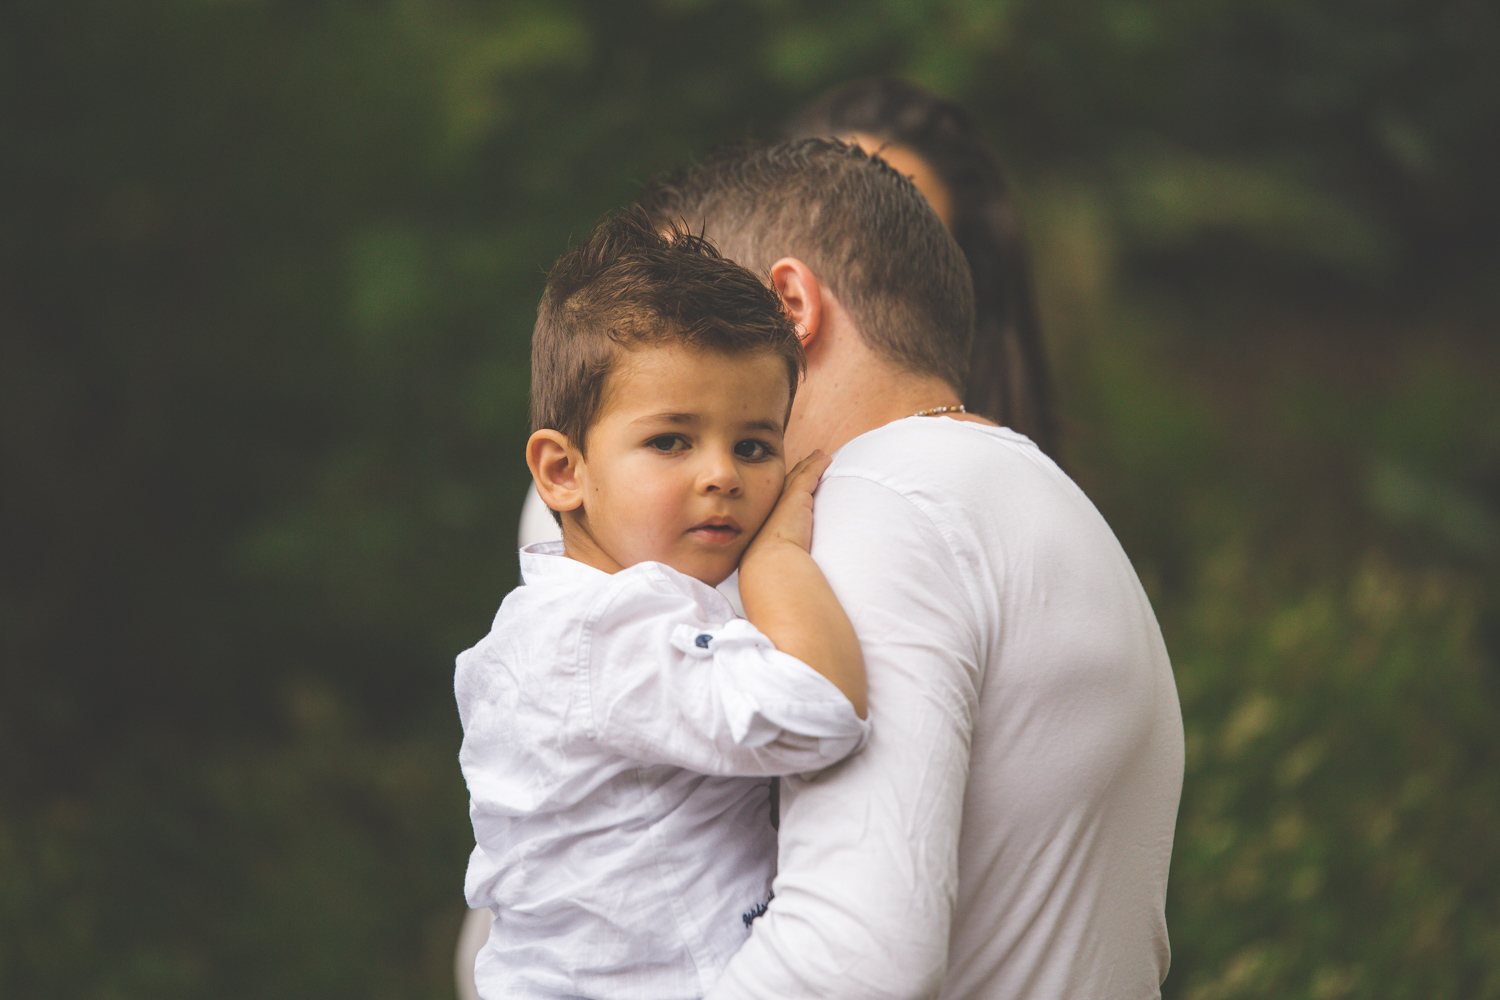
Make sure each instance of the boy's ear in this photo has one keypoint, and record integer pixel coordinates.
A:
(555, 465)
(801, 296)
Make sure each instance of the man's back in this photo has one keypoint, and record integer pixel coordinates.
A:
(1007, 831)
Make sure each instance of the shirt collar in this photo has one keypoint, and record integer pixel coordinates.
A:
(543, 564)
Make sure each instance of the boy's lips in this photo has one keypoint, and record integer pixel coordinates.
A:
(716, 530)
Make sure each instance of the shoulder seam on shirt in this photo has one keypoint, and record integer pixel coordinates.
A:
(601, 604)
(921, 508)
(617, 584)
(970, 589)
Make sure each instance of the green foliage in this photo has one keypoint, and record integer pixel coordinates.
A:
(1333, 635)
(1342, 791)
(267, 274)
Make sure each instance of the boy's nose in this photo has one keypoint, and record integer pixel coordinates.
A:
(721, 474)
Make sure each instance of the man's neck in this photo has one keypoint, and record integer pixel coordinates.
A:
(850, 389)
(840, 406)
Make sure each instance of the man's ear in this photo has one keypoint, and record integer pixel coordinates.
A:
(801, 295)
(555, 466)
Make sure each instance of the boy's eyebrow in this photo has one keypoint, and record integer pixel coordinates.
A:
(763, 424)
(671, 418)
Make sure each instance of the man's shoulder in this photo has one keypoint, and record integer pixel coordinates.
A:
(976, 490)
(926, 455)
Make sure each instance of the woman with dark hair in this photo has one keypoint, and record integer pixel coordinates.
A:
(935, 143)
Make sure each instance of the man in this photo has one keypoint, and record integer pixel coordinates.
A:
(1006, 833)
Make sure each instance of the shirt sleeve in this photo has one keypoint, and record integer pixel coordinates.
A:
(868, 855)
(666, 687)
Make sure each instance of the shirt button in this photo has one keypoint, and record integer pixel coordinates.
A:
(703, 640)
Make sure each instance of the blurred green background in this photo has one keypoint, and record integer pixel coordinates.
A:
(269, 270)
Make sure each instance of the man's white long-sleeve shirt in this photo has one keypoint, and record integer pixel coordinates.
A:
(1006, 832)
(612, 723)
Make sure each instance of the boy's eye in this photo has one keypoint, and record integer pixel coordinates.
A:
(751, 450)
(667, 443)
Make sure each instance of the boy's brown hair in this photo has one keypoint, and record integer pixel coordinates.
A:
(864, 229)
(633, 284)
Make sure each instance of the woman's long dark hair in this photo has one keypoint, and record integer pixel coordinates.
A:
(1008, 378)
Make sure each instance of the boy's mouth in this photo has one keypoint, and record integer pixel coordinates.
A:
(716, 530)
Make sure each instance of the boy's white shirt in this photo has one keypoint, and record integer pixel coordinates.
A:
(611, 723)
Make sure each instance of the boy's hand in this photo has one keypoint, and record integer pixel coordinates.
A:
(791, 519)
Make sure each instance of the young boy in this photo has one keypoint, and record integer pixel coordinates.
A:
(619, 720)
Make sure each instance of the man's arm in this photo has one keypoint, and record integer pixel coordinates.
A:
(869, 848)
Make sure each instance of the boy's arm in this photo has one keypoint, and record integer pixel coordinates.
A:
(658, 683)
(787, 597)
(781, 693)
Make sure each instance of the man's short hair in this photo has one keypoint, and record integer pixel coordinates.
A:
(633, 283)
(863, 229)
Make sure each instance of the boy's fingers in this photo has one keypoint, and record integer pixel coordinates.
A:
(811, 466)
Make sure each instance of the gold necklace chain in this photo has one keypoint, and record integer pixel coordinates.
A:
(934, 411)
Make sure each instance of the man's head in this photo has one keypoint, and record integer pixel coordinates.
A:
(662, 376)
(862, 228)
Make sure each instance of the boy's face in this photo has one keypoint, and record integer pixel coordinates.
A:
(684, 461)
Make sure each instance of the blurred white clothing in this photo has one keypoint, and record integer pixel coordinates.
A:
(537, 522)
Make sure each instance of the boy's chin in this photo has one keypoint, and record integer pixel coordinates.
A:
(710, 574)
(712, 579)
